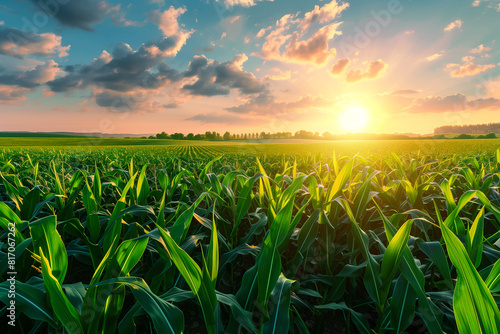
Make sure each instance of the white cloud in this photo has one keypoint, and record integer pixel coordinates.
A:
(457, 24)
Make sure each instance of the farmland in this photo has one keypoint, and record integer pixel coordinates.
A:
(205, 237)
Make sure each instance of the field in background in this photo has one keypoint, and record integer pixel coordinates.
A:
(213, 237)
(289, 146)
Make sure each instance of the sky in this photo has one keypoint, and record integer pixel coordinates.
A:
(248, 65)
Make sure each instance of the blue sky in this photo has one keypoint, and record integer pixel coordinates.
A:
(247, 65)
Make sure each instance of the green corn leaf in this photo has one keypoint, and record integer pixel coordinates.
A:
(29, 300)
(474, 241)
(358, 318)
(45, 237)
(372, 274)
(392, 258)
(279, 300)
(93, 225)
(184, 263)
(475, 309)
(493, 280)
(402, 305)
(435, 252)
(62, 307)
(166, 317)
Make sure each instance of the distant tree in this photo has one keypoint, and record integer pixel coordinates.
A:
(490, 136)
(162, 135)
(227, 135)
(439, 137)
(151, 137)
(190, 136)
(245, 136)
(464, 136)
(177, 135)
(199, 137)
(209, 135)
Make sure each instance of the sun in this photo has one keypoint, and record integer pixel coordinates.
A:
(354, 119)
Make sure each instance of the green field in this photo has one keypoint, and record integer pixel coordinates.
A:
(135, 235)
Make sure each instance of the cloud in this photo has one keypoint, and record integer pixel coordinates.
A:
(313, 50)
(433, 57)
(340, 66)
(491, 4)
(223, 119)
(480, 49)
(137, 101)
(13, 94)
(124, 69)
(450, 103)
(405, 92)
(14, 42)
(215, 78)
(243, 3)
(81, 14)
(129, 71)
(15, 83)
(118, 17)
(234, 19)
(290, 40)
(457, 24)
(375, 69)
(279, 74)
(167, 21)
(324, 14)
(262, 32)
(467, 69)
(265, 104)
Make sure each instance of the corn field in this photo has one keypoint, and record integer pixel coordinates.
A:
(203, 239)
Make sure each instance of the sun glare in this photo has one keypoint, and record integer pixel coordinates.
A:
(354, 119)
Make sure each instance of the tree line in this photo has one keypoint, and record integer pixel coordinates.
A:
(213, 135)
(302, 134)
(469, 129)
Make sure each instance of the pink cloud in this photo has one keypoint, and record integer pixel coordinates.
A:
(289, 40)
(451, 103)
(467, 69)
(375, 69)
(480, 49)
(313, 50)
(167, 21)
(46, 44)
(13, 94)
(243, 3)
(340, 66)
(324, 14)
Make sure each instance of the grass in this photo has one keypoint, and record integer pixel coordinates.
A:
(327, 237)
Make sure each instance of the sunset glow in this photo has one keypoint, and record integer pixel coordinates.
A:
(248, 66)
